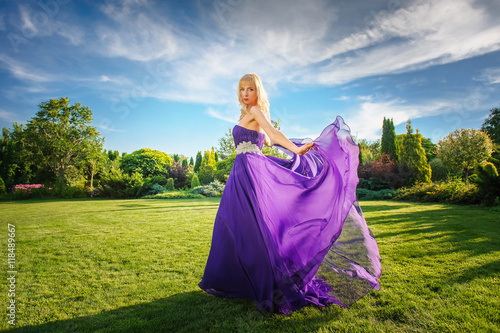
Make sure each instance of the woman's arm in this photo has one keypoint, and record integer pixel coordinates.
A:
(275, 135)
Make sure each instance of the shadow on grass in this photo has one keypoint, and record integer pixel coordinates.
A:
(193, 311)
(469, 231)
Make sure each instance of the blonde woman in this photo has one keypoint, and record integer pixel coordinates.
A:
(289, 232)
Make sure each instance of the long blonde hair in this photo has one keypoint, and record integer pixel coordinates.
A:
(262, 102)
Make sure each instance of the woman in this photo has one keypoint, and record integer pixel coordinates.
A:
(289, 232)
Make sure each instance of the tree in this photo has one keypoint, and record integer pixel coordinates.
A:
(178, 173)
(413, 155)
(429, 147)
(224, 168)
(185, 164)
(191, 162)
(207, 168)
(464, 149)
(226, 146)
(491, 125)
(439, 170)
(15, 168)
(113, 155)
(95, 160)
(59, 137)
(148, 162)
(198, 162)
(365, 154)
(388, 142)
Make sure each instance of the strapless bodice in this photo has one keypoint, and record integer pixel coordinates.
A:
(247, 141)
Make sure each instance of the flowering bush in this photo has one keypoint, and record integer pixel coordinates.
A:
(25, 191)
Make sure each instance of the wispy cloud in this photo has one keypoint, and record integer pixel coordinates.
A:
(373, 113)
(230, 117)
(107, 128)
(411, 38)
(22, 71)
(134, 31)
(490, 75)
(8, 116)
(49, 23)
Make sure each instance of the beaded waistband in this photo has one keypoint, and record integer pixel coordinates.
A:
(247, 147)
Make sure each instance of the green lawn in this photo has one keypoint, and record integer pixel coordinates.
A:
(134, 265)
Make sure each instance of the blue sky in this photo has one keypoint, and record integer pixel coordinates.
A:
(163, 74)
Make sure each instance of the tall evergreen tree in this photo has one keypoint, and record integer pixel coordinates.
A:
(185, 163)
(191, 161)
(197, 164)
(207, 168)
(388, 143)
(413, 155)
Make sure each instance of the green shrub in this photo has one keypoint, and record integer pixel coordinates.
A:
(452, 191)
(195, 182)
(488, 181)
(213, 189)
(373, 183)
(156, 189)
(149, 182)
(366, 194)
(439, 170)
(170, 184)
(116, 184)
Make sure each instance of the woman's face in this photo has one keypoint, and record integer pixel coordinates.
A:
(248, 94)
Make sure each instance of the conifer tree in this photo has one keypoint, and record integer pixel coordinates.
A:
(207, 167)
(198, 162)
(195, 182)
(413, 155)
(388, 142)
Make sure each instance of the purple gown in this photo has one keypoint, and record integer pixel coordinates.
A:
(290, 232)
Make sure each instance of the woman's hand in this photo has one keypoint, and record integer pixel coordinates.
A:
(305, 148)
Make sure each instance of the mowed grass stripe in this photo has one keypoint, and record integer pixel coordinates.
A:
(133, 265)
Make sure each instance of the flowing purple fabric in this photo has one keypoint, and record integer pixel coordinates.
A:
(290, 232)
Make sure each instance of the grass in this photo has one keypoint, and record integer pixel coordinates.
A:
(133, 266)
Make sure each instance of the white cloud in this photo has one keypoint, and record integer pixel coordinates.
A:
(229, 116)
(38, 23)
(410, 38)
(303, 42)
(7, 116)
(369, 118)
(22, 71)
(490, 75)
(297, 42)
(364, 98)
(137, 33)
